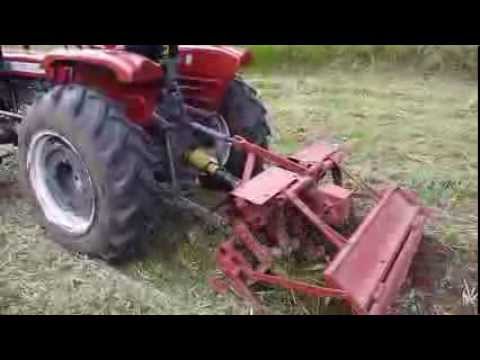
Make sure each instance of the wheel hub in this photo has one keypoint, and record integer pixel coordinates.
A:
(61, 183)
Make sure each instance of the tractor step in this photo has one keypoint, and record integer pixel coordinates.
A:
(372, 267)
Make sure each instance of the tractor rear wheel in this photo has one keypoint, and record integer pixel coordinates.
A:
(246, 116)
(89, 172)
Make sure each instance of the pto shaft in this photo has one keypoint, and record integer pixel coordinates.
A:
(202, 161)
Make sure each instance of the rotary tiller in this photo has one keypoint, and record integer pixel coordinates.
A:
(272, 213)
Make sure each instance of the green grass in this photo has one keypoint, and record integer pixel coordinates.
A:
(399, 126)
(460, 59)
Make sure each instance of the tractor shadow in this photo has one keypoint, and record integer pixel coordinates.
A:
(181, 237)
(9, 186)
(429, 266)
(172, 233)
(10, 190)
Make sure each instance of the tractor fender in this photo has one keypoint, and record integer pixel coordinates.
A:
(207, 71)
(245, 55)
(126, 77)
(128, 68)
(212, 61)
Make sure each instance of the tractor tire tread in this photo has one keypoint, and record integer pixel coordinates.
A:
(247, 117)
(122, 162)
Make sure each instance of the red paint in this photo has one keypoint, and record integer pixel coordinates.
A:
(206, 72)
(128, 78)
(261, 252)
(333, 202)
(249, 167)
(269, 156)
(128, 68)
(265, 186)
(321, 224)
(140, 99)
(245, 55)
(316, 153)
(369, 266)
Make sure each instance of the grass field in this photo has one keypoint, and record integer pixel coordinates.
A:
(454, 59)
(402, 126)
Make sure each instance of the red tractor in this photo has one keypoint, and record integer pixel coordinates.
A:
(109, 135)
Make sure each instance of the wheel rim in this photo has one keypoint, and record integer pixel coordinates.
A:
(61, 183)
(222, 148)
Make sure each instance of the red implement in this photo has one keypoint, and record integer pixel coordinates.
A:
(375, 262)
(270, 216)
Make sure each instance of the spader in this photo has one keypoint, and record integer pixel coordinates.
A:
(109, 135)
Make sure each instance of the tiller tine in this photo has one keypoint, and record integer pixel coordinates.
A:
(271, 213)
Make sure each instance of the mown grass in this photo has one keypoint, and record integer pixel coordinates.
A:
(39, 277)
(420, 131)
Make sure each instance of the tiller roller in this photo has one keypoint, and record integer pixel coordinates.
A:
(273, 214)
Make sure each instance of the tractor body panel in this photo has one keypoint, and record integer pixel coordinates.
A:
(128, 68)
(140, 99)
(205, 73)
